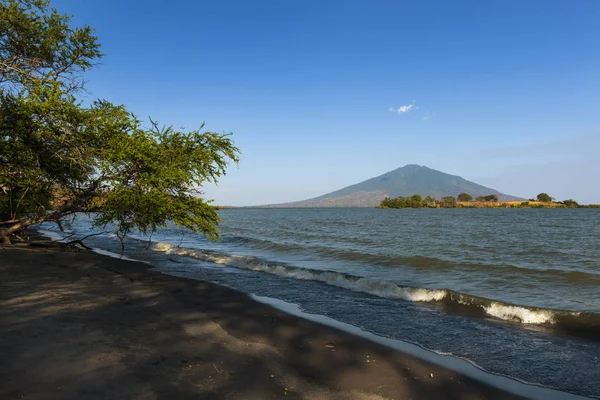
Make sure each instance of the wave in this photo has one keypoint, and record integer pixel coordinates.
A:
(525, 315)
(581, 322)
(346, 281)
(350, 254)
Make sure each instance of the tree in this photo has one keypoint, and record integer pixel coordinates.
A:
(570, 203)
(448, 202)
(58, 157)
(414, 201)
(429, 202)
(465, 197)
(544, 198)
(488, 198)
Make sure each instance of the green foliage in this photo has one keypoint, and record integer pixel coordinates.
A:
(58, 157)
(465, 197)
(570, 203)
(544, 198)
(399, 202)
(488, 198)
(153, 175)
(451, 202)
(416, 201)
(429, 202)
(448, 202)
(38, 47)
(402, 202)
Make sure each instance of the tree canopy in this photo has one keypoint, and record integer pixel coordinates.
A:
(59, 157)
(416, 201)
(448, 202)
(570, 203)
(465, 197)
(490, 201)
(490, 198)
(544, 198)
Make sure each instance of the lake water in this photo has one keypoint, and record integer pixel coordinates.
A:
(515, 291)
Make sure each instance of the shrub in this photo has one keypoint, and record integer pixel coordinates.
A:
(571, 203)
(448, 202)
(465, 197)
(489, 198)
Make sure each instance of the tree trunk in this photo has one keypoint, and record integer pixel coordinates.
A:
(17, 227)
(21, 224)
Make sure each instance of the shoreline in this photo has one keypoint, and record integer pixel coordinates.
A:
(449, 361)
(452, 362)
(580, 323)
(290, 355)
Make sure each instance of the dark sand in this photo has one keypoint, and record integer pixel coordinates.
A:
(78, 325)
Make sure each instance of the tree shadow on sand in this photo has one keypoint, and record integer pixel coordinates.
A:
(79, 325)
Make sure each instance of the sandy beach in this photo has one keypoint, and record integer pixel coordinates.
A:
(79, 325)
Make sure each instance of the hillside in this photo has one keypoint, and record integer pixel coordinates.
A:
(405, 181)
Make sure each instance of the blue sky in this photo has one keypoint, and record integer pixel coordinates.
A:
(323, 94)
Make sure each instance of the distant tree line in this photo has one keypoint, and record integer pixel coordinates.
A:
(465, 200)
(570, 203)
(416, 201)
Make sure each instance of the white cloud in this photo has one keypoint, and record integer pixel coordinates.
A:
(403, 109)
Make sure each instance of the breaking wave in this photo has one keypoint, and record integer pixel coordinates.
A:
(566, 320)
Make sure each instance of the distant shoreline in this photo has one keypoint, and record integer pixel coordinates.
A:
(508, 204)
(469, 205)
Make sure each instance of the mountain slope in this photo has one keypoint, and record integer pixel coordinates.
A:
(405, 181)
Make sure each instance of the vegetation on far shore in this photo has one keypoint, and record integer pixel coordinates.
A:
(60, 156)
(465, 200)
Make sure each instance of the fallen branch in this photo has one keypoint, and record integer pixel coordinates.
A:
(63, 238)
(77, 241)
(12, 221)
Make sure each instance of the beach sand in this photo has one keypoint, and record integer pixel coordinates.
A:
(79, 325)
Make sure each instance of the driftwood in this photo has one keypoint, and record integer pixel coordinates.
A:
(61, 243)
(77, 242)
(74, 244)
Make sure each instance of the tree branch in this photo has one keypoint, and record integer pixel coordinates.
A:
(79, 241)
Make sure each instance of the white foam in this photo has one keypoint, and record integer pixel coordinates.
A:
(520, 314)
(117, 255)
(364, 285)
(52, 235)
(164, 247)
